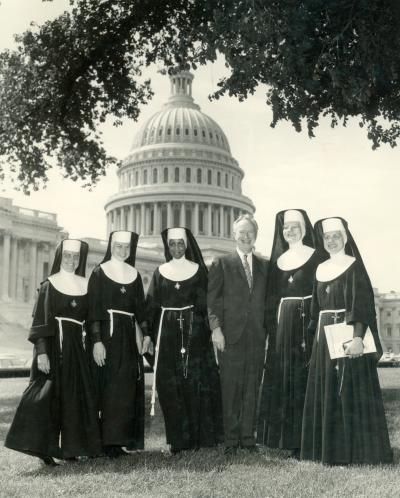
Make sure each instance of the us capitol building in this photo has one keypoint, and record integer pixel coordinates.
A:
(179, 172)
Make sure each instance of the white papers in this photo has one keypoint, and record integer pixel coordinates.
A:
(340, 333)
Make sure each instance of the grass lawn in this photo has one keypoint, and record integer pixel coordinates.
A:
(206, 473)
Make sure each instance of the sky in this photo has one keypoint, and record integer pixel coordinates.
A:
(335, 174)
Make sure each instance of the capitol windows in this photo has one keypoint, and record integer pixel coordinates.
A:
(204, 134)
(209, 177)
(137, 178)
(389, 331)
(155, 176)
(165, 175)
(211, 135)
(188, 175)
(145, 177)
(219, 178)
(226, 180)
(178, 131)
(169, 131)
(187, 131)
(195, 132)
(176, 175)
(233, 183)
(199, 179)
(388, 313)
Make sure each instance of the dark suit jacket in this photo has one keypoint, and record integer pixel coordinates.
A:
(231, 304)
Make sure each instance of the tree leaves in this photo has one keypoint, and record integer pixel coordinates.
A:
(332, 58)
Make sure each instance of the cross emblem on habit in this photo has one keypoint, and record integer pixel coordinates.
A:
(180, 320)
(123, 290)
(290, 279)
(328, 289)
(73, 303)
(177, 286)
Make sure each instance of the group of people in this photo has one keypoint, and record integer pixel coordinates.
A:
(239, 352)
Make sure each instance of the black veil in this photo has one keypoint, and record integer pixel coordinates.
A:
(193, 252)
(132, 255)
(81, 270)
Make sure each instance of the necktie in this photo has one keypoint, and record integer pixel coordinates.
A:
(247, 271)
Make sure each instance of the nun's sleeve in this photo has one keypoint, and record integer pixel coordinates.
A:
(95, 311)
(201, 294)
(140, 306)
(315, 309)
(41, 328)
(153, 306)
(359, 299)
(215, 297)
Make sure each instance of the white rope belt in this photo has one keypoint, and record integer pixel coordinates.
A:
(153, 390)
(322, 312)
(61, 319)
(111, 313)
(290, 299)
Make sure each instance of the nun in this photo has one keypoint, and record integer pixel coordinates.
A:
(186, 375)
(344, 420)
(289, 290)
(117, 324)
(57, 415)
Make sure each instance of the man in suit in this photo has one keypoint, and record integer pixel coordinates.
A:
(236, 303)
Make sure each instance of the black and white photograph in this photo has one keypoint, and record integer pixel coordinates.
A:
(199, 248)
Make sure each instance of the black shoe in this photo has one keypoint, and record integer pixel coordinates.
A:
(48, 460)
(230, 450)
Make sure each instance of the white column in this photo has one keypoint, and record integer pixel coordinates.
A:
(195, 223)
(142, 219)
(32, 268)
(221, 221)
(13, 268)
(148, 214)
(169, 215)
(209, 220)
(137, 218)
(20, 272)
(131, 220)
(182, 217)
(6, 266)
(157, 218)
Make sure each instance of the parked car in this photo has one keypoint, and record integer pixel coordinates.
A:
(389, 359)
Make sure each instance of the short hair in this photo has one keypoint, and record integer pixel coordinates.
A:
(247, 217)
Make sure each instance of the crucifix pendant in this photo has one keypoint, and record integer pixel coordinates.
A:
(177, 286)
(303, 346)
(123, 290)
(328, 289)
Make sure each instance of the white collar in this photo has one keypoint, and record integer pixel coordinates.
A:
(336, 265)
(295, 257)
(119, 271)
(68, 283)
(178, 269)
(242, 254)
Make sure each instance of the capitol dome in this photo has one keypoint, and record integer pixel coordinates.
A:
(179, 172)
(181, 121)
